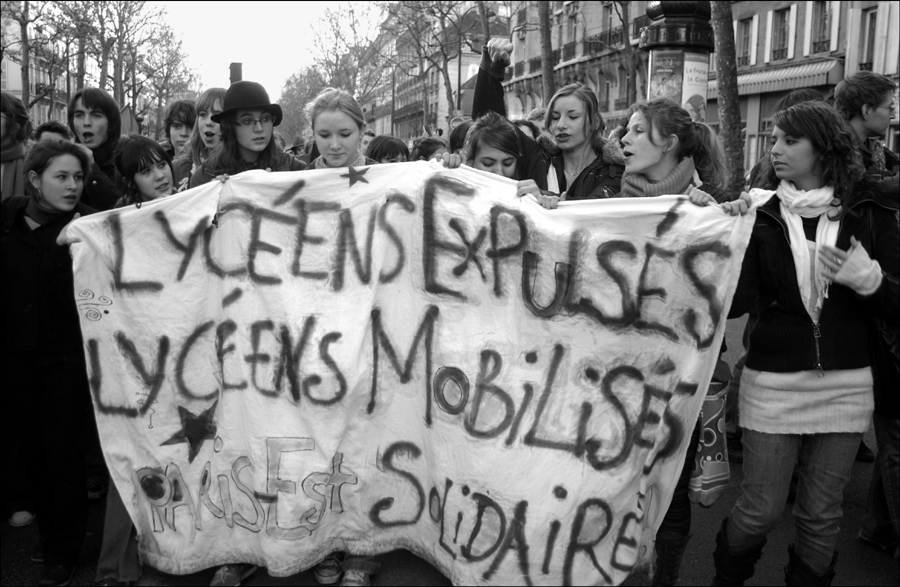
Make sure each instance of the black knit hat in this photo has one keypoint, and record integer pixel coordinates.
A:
(247, 96)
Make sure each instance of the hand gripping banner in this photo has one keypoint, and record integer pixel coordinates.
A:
(401, 356)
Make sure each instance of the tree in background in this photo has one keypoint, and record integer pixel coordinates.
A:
(729, 106)
(299, 89)
(548, 78)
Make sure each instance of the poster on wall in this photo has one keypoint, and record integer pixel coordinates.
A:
(681, 77)
(666, 75)
(694, 85)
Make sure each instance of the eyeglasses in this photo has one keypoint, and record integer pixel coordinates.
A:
(264, 120)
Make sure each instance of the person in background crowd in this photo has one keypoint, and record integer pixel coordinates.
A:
(146, 169)
(388, 149)
(43, 352)
(492, 145)
(53, 130)
(530, 129)
(15, 128)
(819, 263)
(337, 123)
(582, 164)
(247, 124)
(367, 139)
(94, 117)
(206, 136)
(458, 136)
(866, 101)
(180, 118)
(298, 147)
(427, 148)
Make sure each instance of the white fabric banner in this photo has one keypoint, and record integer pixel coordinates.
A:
(401, 356)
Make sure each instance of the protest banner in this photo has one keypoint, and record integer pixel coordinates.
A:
(401, 356)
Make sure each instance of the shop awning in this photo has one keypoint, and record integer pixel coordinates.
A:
(807, 75)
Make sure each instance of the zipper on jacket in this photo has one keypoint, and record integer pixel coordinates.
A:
(817, 334)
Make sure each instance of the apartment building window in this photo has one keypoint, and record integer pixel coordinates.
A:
(780, 32)
(743, 41)
(867, 50)
(607, 17)
(3, 74)
(821, 28)
(570, 29)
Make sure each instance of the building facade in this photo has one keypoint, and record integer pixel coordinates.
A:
(784, 45)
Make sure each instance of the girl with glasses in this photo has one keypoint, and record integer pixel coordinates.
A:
(247, 125)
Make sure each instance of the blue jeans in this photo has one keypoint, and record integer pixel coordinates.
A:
(880, 523)
(826, 462)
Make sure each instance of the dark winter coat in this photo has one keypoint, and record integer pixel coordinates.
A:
(103, 188)
(206, 173)
(601, 179)
(785, 339)
(40, 313)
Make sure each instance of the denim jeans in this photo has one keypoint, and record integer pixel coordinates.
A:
(119, 557)
(880, 522)
(826, 462)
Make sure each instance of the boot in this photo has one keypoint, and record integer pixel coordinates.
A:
(670, 548)
(733, 568)
(798, 572)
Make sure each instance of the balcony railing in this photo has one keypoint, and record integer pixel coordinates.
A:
(569, 51)
(639, 23)
(821, 46)
(779, 54)
(622, 103)
(603, 40)
(743, 60)
(865, 66)
(520, 69)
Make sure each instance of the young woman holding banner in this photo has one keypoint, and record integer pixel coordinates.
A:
(337, 122)
(43, 352)
(247, 124)
(823, 259)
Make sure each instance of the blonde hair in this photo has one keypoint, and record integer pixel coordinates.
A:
(333, 99)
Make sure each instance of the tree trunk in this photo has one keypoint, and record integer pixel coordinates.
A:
(729, 106)
(119, 71)
(631, 60)
(547, 63)
(82, 56)
(26, 54)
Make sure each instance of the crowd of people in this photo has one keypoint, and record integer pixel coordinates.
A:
(819, 281)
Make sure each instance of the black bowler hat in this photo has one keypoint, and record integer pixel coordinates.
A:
(247, 96)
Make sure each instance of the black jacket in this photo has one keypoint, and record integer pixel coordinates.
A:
(205, 173)
(40, 313)
(601, 179)
(785, 339)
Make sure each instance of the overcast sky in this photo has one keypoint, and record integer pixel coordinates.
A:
(271, 39)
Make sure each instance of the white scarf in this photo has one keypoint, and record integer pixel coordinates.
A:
(797, 204)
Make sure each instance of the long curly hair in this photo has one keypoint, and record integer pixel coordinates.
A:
(836, 147)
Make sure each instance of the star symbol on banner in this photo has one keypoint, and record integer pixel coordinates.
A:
(356, 176)
(194, 429)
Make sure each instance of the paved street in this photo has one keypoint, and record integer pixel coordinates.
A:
(857, 563)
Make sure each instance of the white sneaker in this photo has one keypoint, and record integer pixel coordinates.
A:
(19, 519)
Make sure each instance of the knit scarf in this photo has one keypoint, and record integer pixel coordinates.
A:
(16, 151)
(40, 214)
(360, 161)
(13, 181)
(797, 204)
(677, 182)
